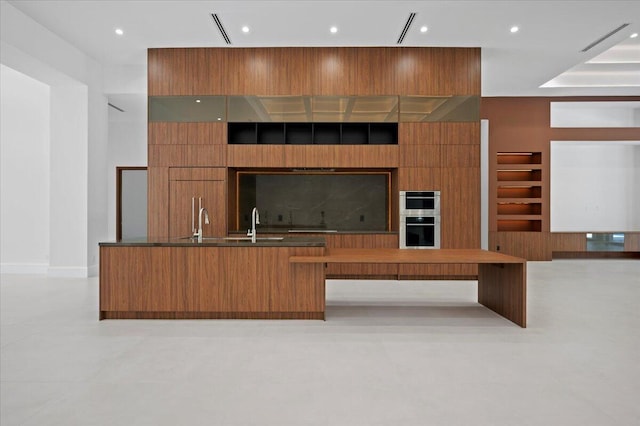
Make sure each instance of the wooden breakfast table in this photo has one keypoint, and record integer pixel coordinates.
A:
(502, 279)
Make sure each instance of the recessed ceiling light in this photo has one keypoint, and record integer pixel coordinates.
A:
(245, 29)
(423, 29)
(333, 30)
(197, 101)
(634, 35)
(119, 31)
(515, 29)
(219, 119)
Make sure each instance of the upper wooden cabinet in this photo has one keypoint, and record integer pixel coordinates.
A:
(191, 188)
(314, 71)
(193, 71)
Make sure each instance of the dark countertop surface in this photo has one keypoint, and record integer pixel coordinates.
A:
(233, 241)
(318, 232)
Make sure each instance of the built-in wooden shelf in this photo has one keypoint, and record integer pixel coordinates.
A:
(519, 191)
(313, 133)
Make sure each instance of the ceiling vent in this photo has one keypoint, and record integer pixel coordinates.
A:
(223, 32)
(406, 27)
(115, 107)
(604, 37)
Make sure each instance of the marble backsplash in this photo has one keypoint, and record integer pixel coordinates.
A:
(341, 202)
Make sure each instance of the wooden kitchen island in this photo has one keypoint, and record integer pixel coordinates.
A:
(272, 279)
(502, 279)
(219, 278)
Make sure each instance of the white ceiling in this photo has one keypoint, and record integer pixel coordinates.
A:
(551, 37)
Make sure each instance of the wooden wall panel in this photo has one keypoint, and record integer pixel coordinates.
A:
(317, 71)
(566, 241)
(424, 156)
(309, 156)
(273, 71)
(632, 241)
(205, 70)
(413, 62)
(255, 155)
(334, 71)
(165, 133)
(166, 72)
(289, 71)
(419, 179)
(366, 156)
(460, 208)
(157, 201)
(442, 71)
(439, 133)
(187, 155)
(419, 134)
(197, 173)
(377, 156)
(467, 133)
(469, 61)
(527, 245)
(247, 72)
(185, 71)
(376, 71)
(454, 156)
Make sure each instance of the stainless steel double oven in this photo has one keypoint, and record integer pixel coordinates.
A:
(419, 219)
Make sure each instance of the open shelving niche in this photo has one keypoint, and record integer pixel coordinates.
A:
(313, 133)
(519, 191)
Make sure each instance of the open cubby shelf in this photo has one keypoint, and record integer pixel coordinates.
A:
(519, 158)
(519, 225)
(519, 191)
(313, 133)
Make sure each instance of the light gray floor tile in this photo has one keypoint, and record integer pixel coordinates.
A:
(389, 353)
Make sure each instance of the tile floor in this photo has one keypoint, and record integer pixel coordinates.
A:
(390, 353)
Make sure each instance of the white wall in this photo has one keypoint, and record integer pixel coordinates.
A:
(595, 186)
(24, 183)
(68, 179)
(636, 188)
(134, 203)
(78, 138)
(595, 114)
(127, 147)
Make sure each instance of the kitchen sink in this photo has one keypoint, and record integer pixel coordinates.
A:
(242, 238)
(222, 239)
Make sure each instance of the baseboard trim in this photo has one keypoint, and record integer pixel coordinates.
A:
(68, 271)
(93, 270)
(24, 268)
(596, 255)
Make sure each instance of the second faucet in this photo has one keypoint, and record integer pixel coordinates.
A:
(255, 220)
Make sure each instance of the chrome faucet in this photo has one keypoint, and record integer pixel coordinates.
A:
(255, 220)
(198, 233)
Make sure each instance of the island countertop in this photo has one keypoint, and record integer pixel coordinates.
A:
(232, 241)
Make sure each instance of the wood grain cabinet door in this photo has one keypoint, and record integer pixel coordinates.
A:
(181, 194)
